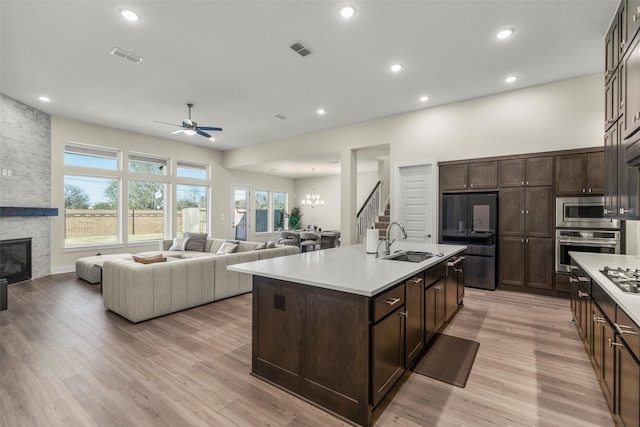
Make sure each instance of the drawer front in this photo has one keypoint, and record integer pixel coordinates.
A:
(604, 301)
(435, 273)
(629, 331)
(387, 302)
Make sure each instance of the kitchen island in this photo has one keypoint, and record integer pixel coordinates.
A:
(339, 327)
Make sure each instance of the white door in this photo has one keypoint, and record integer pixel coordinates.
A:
(415, 201)
(240, 211)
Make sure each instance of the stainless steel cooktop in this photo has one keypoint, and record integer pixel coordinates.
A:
(628, 280)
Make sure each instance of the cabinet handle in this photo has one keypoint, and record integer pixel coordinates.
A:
(527, 211)
(623, 329)
(605, 211)
(527, 182)
(522, 240)
(636, 117)
(522, 212)
(526, 240)
(392, 301)
(471, 185)
(582, 294)
(634, 18)
(465, 186)
(611, 343)
(583, 190)
(624, 211)
(458, 270)
(573, 267)
(403, 313)
(417, 280)
(438, 287)
(583, 279)
(572, 280)
(621, 104)
(597, 319)
(589, 190)
(522, 182)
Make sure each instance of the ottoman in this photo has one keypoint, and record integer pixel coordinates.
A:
(86, 267)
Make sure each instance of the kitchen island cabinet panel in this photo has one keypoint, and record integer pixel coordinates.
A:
(415, 318)
(628, 390)
(387, 359)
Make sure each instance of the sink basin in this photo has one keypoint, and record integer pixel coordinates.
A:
(409, 256)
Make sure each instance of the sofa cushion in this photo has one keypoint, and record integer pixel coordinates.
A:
(261, 246)
(196, 241)
(246, 246)
(179, 244)
(227, 248)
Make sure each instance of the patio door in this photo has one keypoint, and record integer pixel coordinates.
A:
(240, 211)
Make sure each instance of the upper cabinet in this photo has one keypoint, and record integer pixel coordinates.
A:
(528, 172)
(612, 48)
(580, 174)
(469, 176)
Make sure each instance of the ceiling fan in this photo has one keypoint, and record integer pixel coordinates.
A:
(189, 127)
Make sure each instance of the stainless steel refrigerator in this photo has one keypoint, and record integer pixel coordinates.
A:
(471, 219)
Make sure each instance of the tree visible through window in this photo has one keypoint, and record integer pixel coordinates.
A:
(192, 208)
(262, 211)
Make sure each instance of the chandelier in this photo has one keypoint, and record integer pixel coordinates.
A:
(312, 199)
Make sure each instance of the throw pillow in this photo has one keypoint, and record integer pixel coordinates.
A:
(149, 260)
(270, 244)
(227, 248)
(179, 244)
(196, 241)
(261, 246)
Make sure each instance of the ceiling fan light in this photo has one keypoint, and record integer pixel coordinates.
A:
(129, 15)
(212, 139)
(190, 132)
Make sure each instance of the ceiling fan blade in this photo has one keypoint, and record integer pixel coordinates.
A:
(177, 131)
(209, 128)
(206, 135)
(165, 123)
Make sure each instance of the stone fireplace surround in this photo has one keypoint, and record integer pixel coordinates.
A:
(25, 151)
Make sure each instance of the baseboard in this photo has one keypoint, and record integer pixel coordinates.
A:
(63, 269)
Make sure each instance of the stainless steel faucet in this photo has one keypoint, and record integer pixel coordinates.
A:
(386, 240)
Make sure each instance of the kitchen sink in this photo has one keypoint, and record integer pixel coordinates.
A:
(409, 256)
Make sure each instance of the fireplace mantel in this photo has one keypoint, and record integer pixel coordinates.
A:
(25, 211)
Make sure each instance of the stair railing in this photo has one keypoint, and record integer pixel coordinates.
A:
(368, 212)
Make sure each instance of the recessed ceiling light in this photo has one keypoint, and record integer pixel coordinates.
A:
(347, 12)
(396, 67)
(129, 15)
(322, 111)
(504, 34)
(44, 98)
(511, 79)
(424, 98)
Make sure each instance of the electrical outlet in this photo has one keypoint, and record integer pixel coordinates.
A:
(9, 172)
(4, 172)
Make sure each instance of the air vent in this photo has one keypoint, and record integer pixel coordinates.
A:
(300, 49)
(126, 55)
(282, 116)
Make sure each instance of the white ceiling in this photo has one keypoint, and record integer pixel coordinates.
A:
(232, 59)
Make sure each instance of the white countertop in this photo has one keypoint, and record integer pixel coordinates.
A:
(593, 263)
(347, 268)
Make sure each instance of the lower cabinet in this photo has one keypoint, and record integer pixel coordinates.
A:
(525, 261)
(387, 358)
(628, 389)
(434, 307)
(414, 331)
(603, 355)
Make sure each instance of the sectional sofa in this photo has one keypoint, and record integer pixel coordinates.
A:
(139, 291)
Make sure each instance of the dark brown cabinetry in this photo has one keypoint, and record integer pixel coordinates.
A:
(579, 174)
(602, 353)
(611, 143)
(525, 172)
(469, 176)
(526, 212)
(630, 88)
(612, 48)
(524, 262)
(387, 353)
(612, 106)
(628, 389)
(434, 307)
(414, 335)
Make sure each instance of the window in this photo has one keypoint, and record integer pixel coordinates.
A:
(145, 164)
(192, 208)
(262, 211)
(279, 210)
(90, 157)
(192, 170)
(146, 210)
(91, 210)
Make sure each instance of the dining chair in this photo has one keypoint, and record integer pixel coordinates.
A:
(309, 241)
(288, 238)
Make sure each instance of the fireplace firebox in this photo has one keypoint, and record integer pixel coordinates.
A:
(15, 260)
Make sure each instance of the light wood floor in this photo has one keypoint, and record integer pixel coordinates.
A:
(66, 361)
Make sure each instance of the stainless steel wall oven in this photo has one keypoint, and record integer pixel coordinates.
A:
(595, 241)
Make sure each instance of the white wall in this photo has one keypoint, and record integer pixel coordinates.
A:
(65, 130)
(328, 187)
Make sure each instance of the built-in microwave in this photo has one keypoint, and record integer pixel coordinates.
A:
(582, 212)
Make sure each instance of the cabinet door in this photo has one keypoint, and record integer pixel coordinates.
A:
(451, 296)
(460, 282)
(595, 173)
(633, 18)
(611, 172)
(602, 354)
(511, 259)
(627, 183)
(512, 215)
(611, 48)
(453, 177)
(611, 101)
(511, 173)
(628, 377)
(387, 362)
(608, 356)
(414, 333)
(483, 175)
(539, 263)
(570, 174)
(538, 202)
(430, 314)
(440, 302)
(630, 89)
(539, 171)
